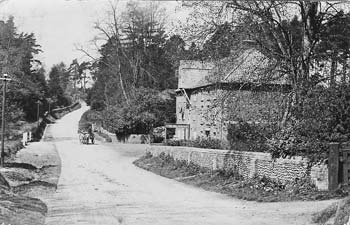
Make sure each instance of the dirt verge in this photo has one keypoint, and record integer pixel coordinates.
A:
(29, 174)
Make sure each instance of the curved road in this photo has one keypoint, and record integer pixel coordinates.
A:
(100, 185)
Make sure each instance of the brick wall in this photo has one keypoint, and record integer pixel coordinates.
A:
(248, 164)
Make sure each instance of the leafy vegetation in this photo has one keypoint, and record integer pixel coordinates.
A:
(148, 109)
(135, 76)
(337, 213)
(210, 143)
(28, 87)
(139, 60)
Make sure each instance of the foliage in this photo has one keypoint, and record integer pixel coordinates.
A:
(58, 83)
(292, 35)
(137, 53)
(157, 135)
(28, 85)
(244, 136)
(97, 105)
(77, 72)
(321, 117)
(210, 143)
(148, 109)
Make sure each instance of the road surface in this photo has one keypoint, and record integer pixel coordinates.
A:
(100, 185)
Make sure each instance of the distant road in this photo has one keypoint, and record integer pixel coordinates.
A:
(100, 185)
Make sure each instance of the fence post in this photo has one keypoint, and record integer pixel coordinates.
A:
(333, 166)
(24, 138)
(29, 136)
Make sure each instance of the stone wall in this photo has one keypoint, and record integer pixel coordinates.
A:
(248, 164)
(211, 109)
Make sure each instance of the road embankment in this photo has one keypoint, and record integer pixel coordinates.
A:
(30, 174)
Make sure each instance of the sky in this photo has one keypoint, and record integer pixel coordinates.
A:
(60, 25)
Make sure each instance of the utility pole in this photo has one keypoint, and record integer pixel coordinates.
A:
(5, 78)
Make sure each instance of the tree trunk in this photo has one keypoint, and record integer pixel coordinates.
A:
(333, 72)
(344, 75)
(84, 83)
(122, 83)
(287, 110)
(309, 13)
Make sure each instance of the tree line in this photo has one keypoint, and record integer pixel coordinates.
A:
(306, 43)
(136, 74)
(29, 86)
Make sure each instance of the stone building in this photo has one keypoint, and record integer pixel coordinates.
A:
(209, 98)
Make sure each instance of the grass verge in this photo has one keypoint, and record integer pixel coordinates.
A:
(232, 184)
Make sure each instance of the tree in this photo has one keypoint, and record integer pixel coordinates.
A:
(287, 33)
(78, 73)
(220, 44)
(143, 28)
(149, 109)
(17, 58)
(133, 55)
(334, 45)
(58, 81)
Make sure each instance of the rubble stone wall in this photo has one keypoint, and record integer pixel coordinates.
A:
(248, 164)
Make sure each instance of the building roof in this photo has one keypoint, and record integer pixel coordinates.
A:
(250, 66)
(268, 87)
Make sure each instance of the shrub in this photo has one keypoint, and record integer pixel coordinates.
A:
(97, 105)
(244, 136)
(291, 141)
(321, 116)
(210, 143)
(157, 139)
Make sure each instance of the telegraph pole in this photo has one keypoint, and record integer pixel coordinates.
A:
(5, 78)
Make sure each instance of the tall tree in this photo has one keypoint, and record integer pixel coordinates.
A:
(286, 32)
(58, 81)
(17, 58)
(133, 55)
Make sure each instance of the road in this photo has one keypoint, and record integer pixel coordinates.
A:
(100, 185)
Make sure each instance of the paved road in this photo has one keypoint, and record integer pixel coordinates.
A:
(99, 185)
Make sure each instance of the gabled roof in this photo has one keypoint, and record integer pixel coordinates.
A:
(249, 66)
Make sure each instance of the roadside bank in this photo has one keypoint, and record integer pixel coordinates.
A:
(29, 174)
(229, 182)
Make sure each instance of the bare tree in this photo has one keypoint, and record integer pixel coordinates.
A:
(286, 32)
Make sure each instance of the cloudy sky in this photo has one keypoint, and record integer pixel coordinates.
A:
(59, 25)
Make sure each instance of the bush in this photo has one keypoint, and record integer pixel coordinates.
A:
(291, 141)
(244, 136)
(321, 116)
(210, 143)
(97, 105)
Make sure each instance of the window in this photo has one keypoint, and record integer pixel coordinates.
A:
(207, 133)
